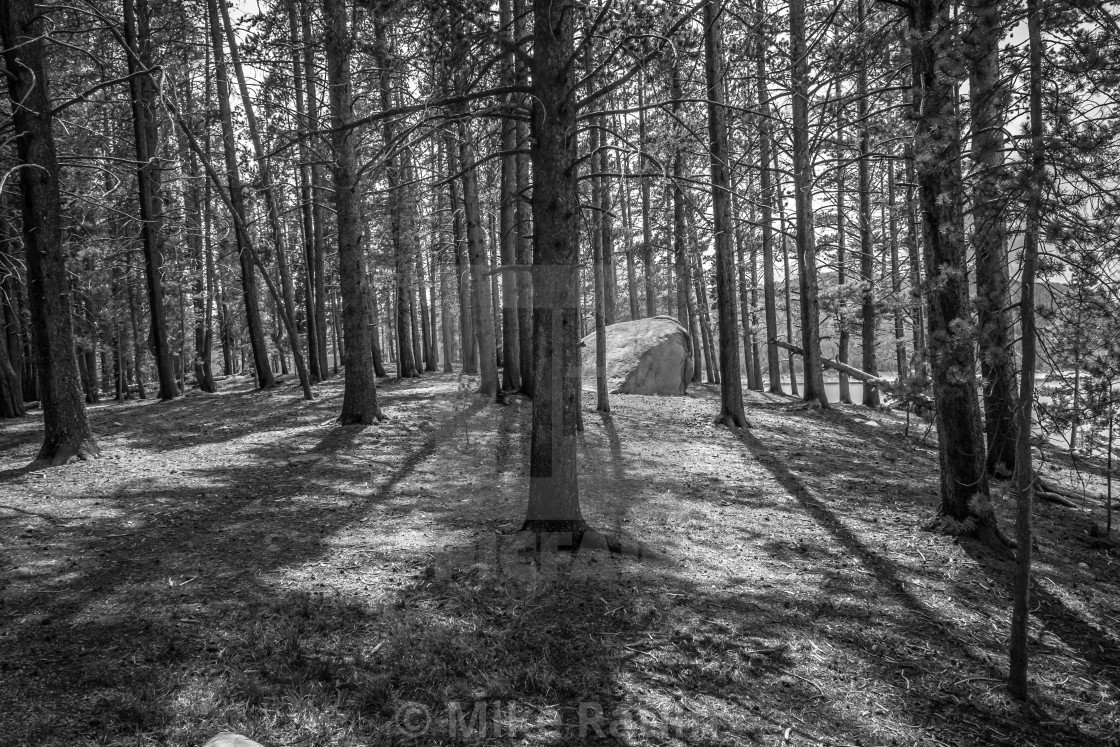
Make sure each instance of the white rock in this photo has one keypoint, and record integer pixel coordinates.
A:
(229, 739)
(644, 356)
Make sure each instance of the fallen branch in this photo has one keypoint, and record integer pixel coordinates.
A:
(855, 373)
(1055, 498)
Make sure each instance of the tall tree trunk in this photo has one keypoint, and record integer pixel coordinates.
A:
(523, 217)
(511, 334)
(803, 199)
(868, 318)
(479, 266)
(606, 227)
(746, 289)
(686, 311)
(494, 260)
(731, 386)
(647, 232)
(786, 279)
(598, 269)
(553, 482)
(200, 255)
(359, 399)
(964, 481)
(287, 303)
(149, 167)
(628, 239)
(1024, 474)
(769, 292)
(896, 274)
(307, 222)
(11, 344)
(401, 214)
(468, 353)
(253, 321)
(997, 359)
(426, 330)
(67, 433)
(318, 193)
(842, 259)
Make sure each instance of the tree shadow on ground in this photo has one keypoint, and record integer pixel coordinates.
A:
(342, 601)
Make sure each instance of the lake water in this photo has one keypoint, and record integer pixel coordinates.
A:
(832, 390)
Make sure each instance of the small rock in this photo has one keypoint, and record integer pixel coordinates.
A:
(1082, 565)
(229, 739)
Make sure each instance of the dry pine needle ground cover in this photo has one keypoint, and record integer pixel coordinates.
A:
(239, 561)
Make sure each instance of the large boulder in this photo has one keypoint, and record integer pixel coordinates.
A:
(644, 356)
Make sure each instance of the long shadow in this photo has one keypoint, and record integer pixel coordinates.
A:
(162, 634)
(924, 619)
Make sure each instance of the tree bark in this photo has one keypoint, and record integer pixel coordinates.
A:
(952, 357)
(842, 259)
(511, 334)
(318, 192)
(769, 292)
(479, 266)
(253, 321)
(598, 269)
(647, 232)
(67, 433)
(731, 386)
(1024, 474)
(523, 218)
(997, 359)
(307, 218)
(149, 167)
(868, 316)
(287, 302)
(201, 259)
(359, 399)
(803, 192)
(553, 482)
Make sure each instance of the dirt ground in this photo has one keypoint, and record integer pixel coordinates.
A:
(240, 561)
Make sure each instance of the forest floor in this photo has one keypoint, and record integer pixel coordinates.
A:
(240, 561)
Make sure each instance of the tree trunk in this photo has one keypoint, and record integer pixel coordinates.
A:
(468, 353)
(1024, 474)
(287, 302)
(841, 259)
(866, 249)
(318, 193)
(686, 310)
(148, 170)
(746, 290)
(602, 398)
(359, 399)
(624, 201)
(731, 386)
(479, 266)
(896, 275)
(401, 214)
(67, 432)
(647, 232)
(553, 482)
(786, 279)
(511, 334)
(964, 481)
(523, 217)
(803, 200)
(253, 321)
(11, 343)
(997, 359)
(201, 255)
(769, 293)
(307, 223)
